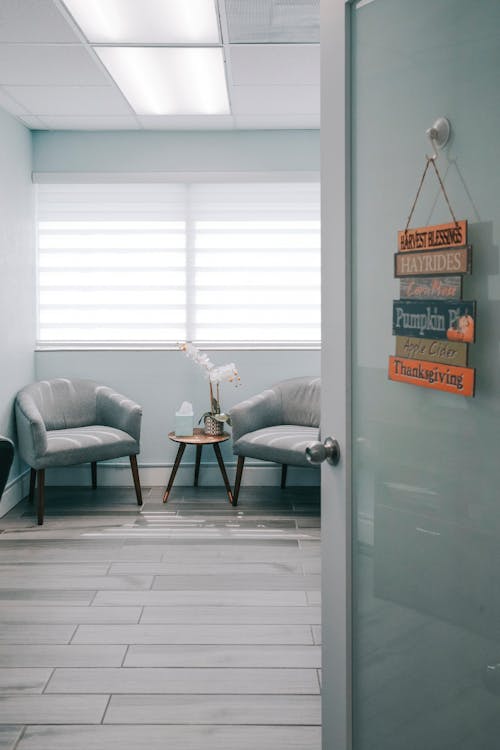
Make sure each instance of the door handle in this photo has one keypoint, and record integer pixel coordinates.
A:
(329, 451)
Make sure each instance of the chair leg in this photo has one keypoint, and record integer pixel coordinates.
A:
(32, 484)
(93, 470)
(284, 470)
(40, 480)
(135, 475)
(237, 483)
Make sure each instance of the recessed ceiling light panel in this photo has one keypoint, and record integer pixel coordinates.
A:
(146, 21)
(169, 80)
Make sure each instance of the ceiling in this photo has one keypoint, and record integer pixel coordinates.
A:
(52, 79)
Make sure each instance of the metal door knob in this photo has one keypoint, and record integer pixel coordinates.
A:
(329, 451)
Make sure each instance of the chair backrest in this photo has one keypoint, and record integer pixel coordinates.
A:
(6, 456)
(300, 400)
(64, 403)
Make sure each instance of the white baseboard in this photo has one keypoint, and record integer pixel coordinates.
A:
(14, 492)
(119, 475)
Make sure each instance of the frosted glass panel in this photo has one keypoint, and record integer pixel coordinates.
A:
(426, 464)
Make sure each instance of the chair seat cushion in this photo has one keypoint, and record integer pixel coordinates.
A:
(284, 444)
(85, 444)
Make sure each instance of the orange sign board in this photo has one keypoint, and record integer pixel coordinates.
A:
(435, 237)
(459, 380)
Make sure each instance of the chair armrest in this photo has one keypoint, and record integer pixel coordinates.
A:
(116, 410)
(31, 431)
(262, 410)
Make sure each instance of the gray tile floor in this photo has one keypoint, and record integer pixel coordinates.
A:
(181, 627)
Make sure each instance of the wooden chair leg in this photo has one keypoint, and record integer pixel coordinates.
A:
(93, 470)
(32, 484)
(284, 470)
(40, 480)
(237, 483)
(135, 475)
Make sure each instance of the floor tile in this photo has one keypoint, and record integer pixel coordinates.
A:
(9, 736)
(233, 615)
(201, 634)
(37, 633)
(201, 598)
(174, 680)
(70, 614)
(26, 655)
(223, 656)
(131, 737)
(239, 582)
(23, 679)
(214, 709)
(50, 709)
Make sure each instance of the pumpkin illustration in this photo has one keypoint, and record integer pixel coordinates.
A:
(466, 326)
(463, 329)
(453, 334)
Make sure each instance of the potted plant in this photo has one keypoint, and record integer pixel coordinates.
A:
(214, 419)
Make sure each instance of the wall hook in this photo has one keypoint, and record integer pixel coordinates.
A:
(438, 135)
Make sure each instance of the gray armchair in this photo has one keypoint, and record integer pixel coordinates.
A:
(64, 422)
(6, 457)
(277, 425)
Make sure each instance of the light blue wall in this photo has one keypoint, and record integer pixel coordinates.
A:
(17, 263)
(219, 151)
(161, 380)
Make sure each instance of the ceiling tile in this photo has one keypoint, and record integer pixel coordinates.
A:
(33, 21)
(47, 65)
(10, 104)
(186, 122)
(91, 123)
(292, 64)
(32, 122)
(274, 100)
(272, 20)
(277, 122)
(70, 100)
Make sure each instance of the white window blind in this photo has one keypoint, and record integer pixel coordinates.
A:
(218, 263)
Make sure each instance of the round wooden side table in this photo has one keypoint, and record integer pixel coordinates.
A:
(199, 439)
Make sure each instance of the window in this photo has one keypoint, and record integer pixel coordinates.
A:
(219, 263)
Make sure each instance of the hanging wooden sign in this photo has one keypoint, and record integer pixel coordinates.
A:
(437, 319)
(446, 262)
(453, 234)
(459, 380)
(432, 350)
(429, 287)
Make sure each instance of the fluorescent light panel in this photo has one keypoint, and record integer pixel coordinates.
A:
(169, 80)
(146, 21)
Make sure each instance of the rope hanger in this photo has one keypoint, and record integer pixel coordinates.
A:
(433, 135)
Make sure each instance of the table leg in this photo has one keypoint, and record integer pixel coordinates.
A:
(182, 448)
(223, 471)
(199, 448)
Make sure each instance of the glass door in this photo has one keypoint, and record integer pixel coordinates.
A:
(425, 462)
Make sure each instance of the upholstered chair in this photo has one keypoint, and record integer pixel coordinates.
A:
(6, 457)
(277, 425)
(63, 422)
